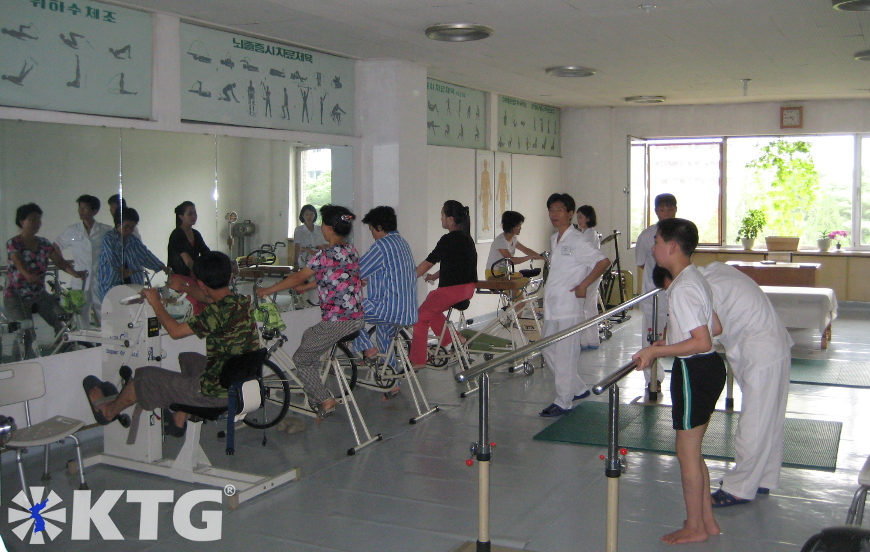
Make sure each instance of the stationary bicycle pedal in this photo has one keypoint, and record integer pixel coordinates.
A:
(124, 420)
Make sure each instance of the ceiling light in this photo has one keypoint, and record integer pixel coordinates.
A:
(851, 5)
(863, 55)
(458, 32)
(570, 71)
(647, 7)
(645, 99)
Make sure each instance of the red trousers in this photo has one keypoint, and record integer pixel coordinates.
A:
(431, 315)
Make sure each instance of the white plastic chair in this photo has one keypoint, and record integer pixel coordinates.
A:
(23, 382)
(856, 510)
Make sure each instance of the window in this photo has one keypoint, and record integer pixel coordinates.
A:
(314, 181)
(805, 185)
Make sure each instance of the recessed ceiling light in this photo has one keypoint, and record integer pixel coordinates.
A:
(851, 5)
(645, 99)
(863, 55)
(647, 7)
(570, 71)
(458, 32)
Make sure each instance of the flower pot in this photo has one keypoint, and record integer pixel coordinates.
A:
(838, 246)
(824, 244)
(748, 243)
(782, 243)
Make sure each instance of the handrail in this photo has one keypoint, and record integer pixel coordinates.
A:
(522, 352)
(602, 385)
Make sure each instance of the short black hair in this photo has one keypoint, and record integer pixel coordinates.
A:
(682, 231)
(668, 200)
(117, 200)
(307, 207)
(25, 211)
(510, 220)
(92, 201)
(589, 212)
(564, 199)
(382, 218)
(339, 218)
(126, 213)
(214, 269)
(659, 275)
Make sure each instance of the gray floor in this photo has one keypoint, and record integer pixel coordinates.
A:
(413, 491)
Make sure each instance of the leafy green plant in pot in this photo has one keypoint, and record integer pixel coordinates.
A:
(750, 227)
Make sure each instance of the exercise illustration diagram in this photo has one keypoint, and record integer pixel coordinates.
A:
(234, 72)
(542, 137)
(23, 33)
(454, 120)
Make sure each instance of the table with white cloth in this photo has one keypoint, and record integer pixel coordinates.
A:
(804, 308)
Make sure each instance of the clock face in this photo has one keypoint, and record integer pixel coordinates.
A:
(791, 117)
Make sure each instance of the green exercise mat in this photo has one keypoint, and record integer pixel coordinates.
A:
(833, 373)
(839, 373)
(809, 444)
(486, 343)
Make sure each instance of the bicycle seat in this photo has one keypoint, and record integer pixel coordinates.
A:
(462, 305)
(530, 272)
(349, 337)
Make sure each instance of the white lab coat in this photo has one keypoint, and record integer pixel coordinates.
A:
(572, 258)
(643, 257)
(758, 349)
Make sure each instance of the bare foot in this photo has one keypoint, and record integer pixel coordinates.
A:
(95, 394)
(325, 409)
(685, 535)
(712, 527)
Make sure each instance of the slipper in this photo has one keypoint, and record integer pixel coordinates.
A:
(323, 412)
(582, 395)
(91, 382)
(722, 499)
(169, 426)
(763, 490)
(554, 411)
(392, 392)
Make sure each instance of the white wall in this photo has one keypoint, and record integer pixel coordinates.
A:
(595, 144)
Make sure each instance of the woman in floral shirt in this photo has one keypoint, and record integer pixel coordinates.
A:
(26, 265)
(336, 273)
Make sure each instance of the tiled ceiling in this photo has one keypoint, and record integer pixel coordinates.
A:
(691, 51)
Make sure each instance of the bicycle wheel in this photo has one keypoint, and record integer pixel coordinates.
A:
(348, 363)
(276, 400)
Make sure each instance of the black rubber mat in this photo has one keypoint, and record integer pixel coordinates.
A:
(808, 444)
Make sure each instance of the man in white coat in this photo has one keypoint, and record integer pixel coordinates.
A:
(575, 267)
(665, 208)
(85, 239)
(758, 349)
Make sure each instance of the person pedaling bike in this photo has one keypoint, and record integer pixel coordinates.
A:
(337, 279)
(229, 330)
(123, 256)
(389, 272)
(185, 247)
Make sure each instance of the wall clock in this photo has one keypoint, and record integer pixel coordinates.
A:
(791, 117)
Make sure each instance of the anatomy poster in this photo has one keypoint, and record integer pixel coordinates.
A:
(455, 116)
(527, 127)
(502, 189)
(76, 56)
(238, 80)
(484, 228)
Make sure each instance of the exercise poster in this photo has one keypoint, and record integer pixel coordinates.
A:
(527, 127)
(238, 80)
(76, 56)
(455, 115)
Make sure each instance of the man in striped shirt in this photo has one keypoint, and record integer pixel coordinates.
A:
(123, 256)
(390, 273)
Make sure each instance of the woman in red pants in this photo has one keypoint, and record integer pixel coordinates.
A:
(457, 278)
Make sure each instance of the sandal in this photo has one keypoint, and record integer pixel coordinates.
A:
(722, 499)
(169, 427)
(324, 412)
(392, 392)
(109, 391)
(554, 411)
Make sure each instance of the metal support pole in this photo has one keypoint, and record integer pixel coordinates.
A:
(613, 470)
(484, 454)
(654, 366)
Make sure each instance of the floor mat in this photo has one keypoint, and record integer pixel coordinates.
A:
(809, 444)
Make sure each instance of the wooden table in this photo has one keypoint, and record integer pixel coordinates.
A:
(779, 274)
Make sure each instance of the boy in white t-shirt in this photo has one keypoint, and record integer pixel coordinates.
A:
(698, 374)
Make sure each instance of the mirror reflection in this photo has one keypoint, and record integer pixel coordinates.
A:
(238, 195)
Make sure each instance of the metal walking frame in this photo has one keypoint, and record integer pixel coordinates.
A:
(482, 449)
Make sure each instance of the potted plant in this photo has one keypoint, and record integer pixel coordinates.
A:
(838, 235)
(750, 226)
(824, 241)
